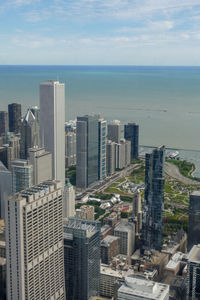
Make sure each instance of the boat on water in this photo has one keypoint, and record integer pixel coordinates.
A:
(173, 155)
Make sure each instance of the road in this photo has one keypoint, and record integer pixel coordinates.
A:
(100, 186)
(173, 171)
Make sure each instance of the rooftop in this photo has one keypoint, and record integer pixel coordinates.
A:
(124, 226)
(35, 192)
(108, 240)
(195, 193)
(3, 168)
(90, 227)
(144, 288)
(106, 270)
(194, 254)
(175, 261)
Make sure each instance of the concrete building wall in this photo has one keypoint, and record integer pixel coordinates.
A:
(5, 188)
(34, 244)
(52, 128)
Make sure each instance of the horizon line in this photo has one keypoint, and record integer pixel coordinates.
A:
(98, 65)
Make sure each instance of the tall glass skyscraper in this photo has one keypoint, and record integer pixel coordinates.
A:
(15, 114)
(82, 258)
(86, 151)
(131, 133)
(154, 199)
(30, 134)
(102, 124)
(194, 220)
(22, 175)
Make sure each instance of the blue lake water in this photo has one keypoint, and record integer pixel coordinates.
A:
(164, 101)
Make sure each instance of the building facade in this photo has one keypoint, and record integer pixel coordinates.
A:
(193, 273)
(110, 157)
(86, 151)
(5, 188)
(52, 125)
(22, 175)
(114, 131)
(41, 160)
(131, 133)
(3, 122)
(126, 232)
(154, 199)
(34, 243)
(82, 259)
(30, 134)
(70, 149)
(14, 116)
(69, 200)
(85, 212)
(194, 220)
(110, 247)
(102, 134)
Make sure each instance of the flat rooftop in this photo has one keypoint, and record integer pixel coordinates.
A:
(124, 226)
(174, 261)
(144, 288)
(106, 270)
(194, 254)
(108, 240)
(195, 193)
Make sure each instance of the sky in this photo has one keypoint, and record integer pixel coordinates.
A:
(100, 32)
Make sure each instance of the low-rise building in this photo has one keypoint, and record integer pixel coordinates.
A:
(85, 212)
(108, 279)
(126, 232)
(135, 289)
(110, 247)
(174, 264)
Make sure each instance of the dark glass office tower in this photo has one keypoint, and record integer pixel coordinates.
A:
(131, 133)
(82, 258)
(86, 151)
(194, 220)
(14, 112)
(3, 122)
(154, 199)
(30, 134)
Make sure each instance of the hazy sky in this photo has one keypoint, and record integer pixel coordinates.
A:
(137, 32)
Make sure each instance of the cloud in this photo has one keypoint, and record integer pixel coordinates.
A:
(32, 41)
(35, 16)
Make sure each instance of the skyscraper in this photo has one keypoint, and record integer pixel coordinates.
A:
(15, 114)
(5, 188)
(193, 274)
(3, 122)
(114, 131)
(34, 243)
(131, 133)
(52, 128)
(154, 199)
(82, 258)
(86, 151)
(110, 157)
(68, 200)
(102, 124)
(30, 135)
(194, 220)
(122, 154)
(41, 161)
(22, 175)
(70, 149)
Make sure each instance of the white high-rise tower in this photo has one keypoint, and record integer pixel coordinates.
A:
(34, 243)
(52, 129)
